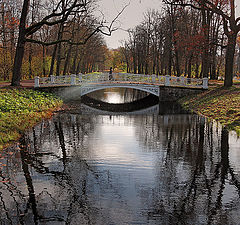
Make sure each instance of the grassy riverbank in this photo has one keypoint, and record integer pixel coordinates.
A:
(220, 104)
(21, 109)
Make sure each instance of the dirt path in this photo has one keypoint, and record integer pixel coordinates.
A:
(24, 84)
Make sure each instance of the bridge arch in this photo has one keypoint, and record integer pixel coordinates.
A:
(147, 88)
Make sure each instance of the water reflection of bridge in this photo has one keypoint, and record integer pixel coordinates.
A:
(148, 105)
(85, 109)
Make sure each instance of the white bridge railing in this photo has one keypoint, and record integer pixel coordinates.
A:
(105, 78)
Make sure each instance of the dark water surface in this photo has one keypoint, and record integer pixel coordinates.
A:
(84, 168)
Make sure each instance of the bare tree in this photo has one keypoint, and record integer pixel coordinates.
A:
(60, 14)
(231, 24)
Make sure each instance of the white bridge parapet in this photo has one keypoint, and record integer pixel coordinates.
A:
(105, 79)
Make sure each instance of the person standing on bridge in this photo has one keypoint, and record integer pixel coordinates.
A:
(110, 74)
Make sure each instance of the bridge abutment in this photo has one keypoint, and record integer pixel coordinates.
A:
(66, 93)
(175, 93)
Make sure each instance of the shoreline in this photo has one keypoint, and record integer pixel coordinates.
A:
(219, 104)
(22, 109)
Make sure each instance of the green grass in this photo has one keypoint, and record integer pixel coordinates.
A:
(220, 104)
(21, 109)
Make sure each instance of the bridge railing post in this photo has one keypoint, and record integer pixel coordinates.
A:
(182, 81)
(154, 78)
(79, 78)
(73, 79)
(52, 79)
(37, 82)
(167, 80)
(205, 83)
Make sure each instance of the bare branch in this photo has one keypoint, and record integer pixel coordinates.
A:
(238, 20)
(206, 4)
(174, 3)
(64, 13)
(110, 28)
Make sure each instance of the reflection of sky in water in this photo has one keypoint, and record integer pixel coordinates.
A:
(234, 145)
(118, 147)
(124, 170)
(118, 95)
(115, 151)
(113, 97)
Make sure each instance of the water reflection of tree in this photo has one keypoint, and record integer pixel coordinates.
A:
(62, 196)
(192, 173)
(56, 178)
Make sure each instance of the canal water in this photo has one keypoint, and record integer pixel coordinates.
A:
(154, 166)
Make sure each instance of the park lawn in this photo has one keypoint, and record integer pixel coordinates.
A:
(21, 109)
(220, 104)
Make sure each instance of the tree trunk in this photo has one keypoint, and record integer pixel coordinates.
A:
(56, 48)
(134, 64)
(59, 59)
(205, 64)
(73, 69)
(185, 67)
(44, 60)
(154, 61)
(53, 60)
(177, 64)
(214, 69)
(238, 59)
(139, 66)
(170, 63)
(146, 67)
(190, 67)
(78, 67)
(197, 70)
(30, 61)
(65, 70)
(231, 45)
(4, 44)
(206, 18)
(16, 78)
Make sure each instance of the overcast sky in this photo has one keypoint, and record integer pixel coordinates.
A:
(131, 16)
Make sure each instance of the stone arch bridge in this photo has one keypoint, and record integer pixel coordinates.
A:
(165, 87)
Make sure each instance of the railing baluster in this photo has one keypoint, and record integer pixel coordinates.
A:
(205, 83)
(167, 80)
(73, 79)
(37, 82)
(153, 78)
(80, 78)
(182, 80)
(52, 79)
(83, 79)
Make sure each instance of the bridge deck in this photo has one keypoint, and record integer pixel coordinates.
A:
(92, 82)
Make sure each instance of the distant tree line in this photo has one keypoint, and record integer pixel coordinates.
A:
(190, 38)
(194, 38)
(40, 38)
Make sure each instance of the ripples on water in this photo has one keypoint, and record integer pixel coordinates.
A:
(122, 169)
